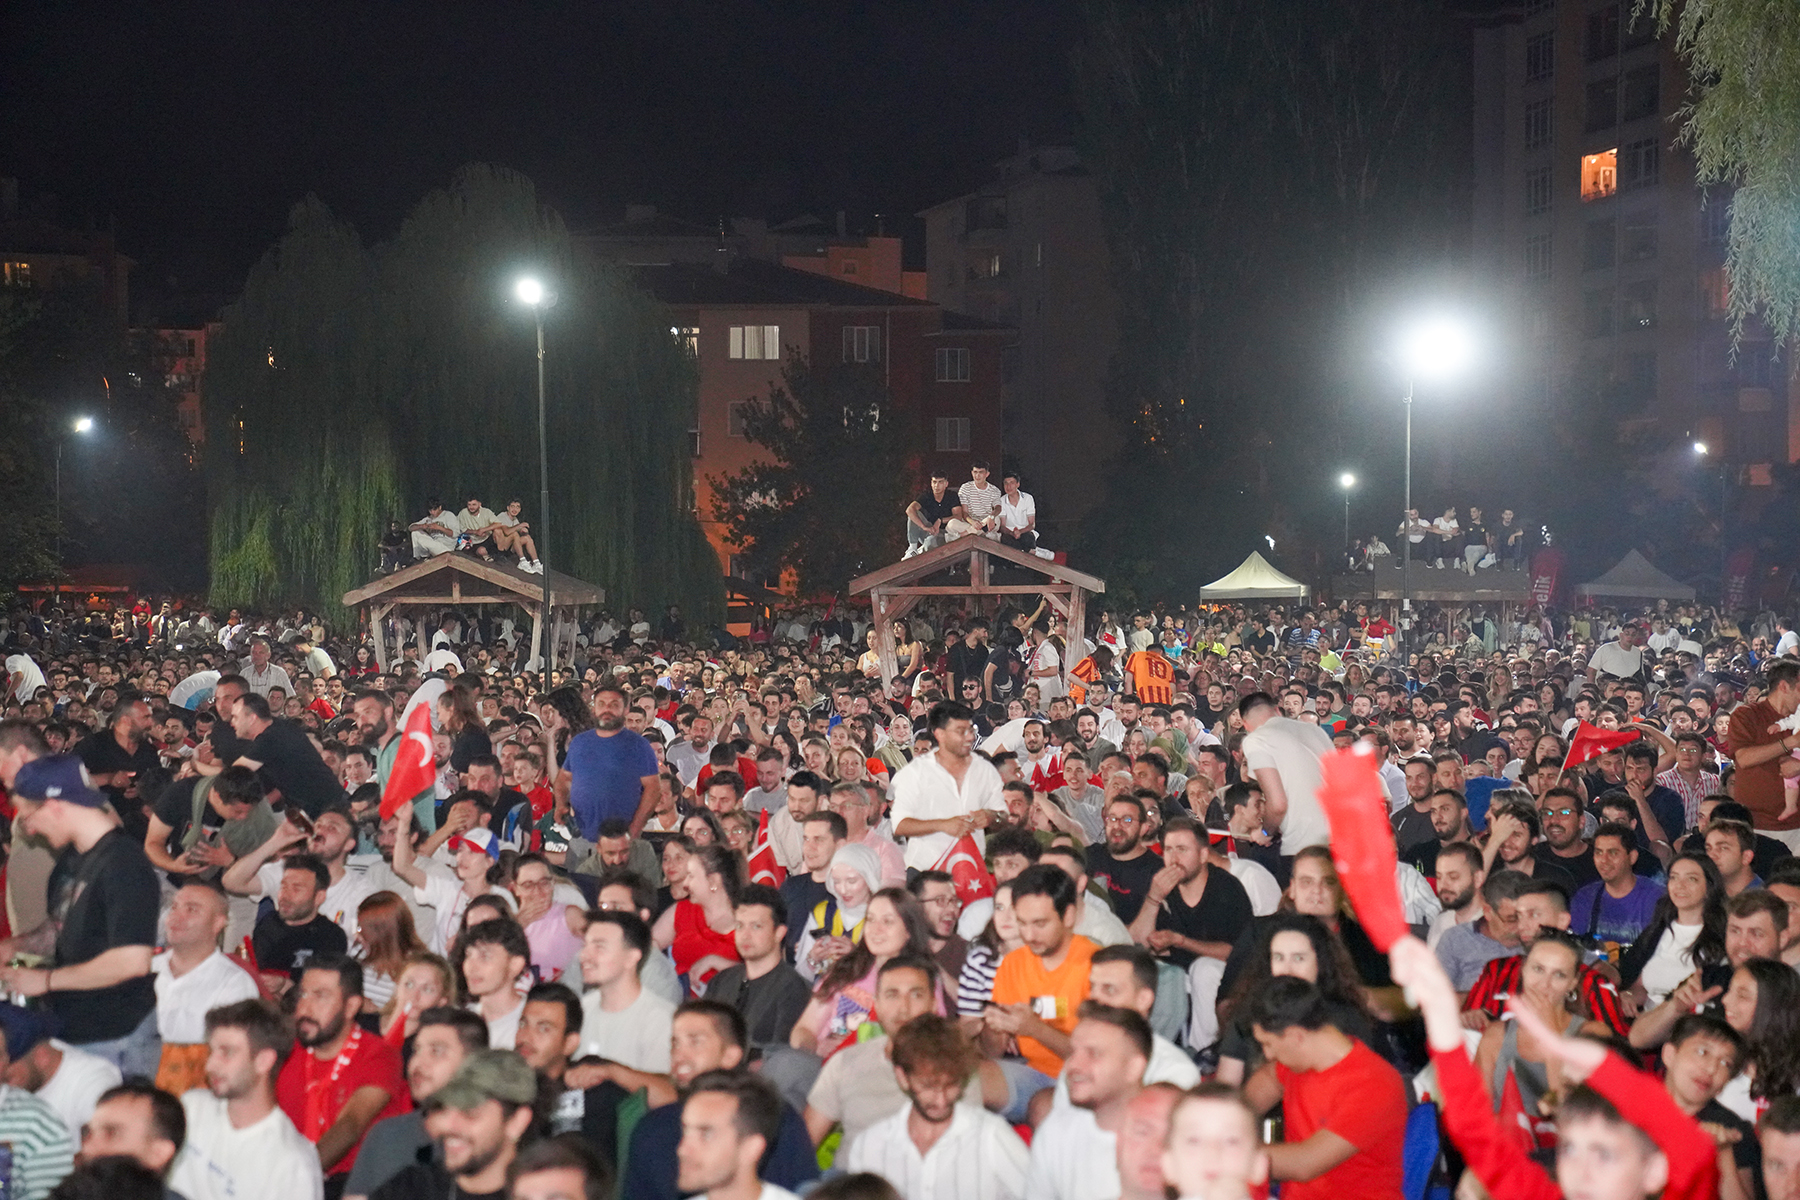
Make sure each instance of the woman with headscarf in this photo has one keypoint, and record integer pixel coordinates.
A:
(834, 927)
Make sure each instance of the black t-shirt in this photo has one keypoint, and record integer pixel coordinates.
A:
(1747, 1153)
(1223, 912)
(1125, 881)
(101, 754)
(1474, 534)
(802, 893)
(770, 1004)
(1007, 667)
(175, 808)
(1261, 643)
(936, 510)
(965, 662)
(1371, 964)
(1412, 828)
(291, 764)
(1580, 867)
(112, 900)
(1424, 857)
(428, 1181)
(287, 948)
(1545, 866)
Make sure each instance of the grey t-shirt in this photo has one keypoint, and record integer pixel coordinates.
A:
(1464, 950)
(389, 1148)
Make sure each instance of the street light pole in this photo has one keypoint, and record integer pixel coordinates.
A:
(80, 425)
(532, 292)
(1406, 530)
(1346, 481)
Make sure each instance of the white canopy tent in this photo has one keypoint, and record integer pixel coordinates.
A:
(1255, 579)
(1636, 578)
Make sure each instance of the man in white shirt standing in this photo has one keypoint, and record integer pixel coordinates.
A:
(1284, 754)
(940, 797)
(937, 1146)
(23, 676)
(239, 1142)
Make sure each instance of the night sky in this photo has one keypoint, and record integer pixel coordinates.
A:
(197, 126)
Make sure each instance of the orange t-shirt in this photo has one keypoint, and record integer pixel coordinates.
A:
(1087, 671)
(1053, 995)
(1154, 675)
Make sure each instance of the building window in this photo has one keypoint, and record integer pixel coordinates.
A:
(952, 365)
(1715, 291)
(1599, 175)
(1597, 312)
(16, 274)
(1638, 27)
(1640, 163)
(987, 266)
(756, 341)
(1537, 256)
(1602, 105)
(1540, 57)
(1639, 241)
(1598, 250)
(862, 343)
(693, 441)
(1637, 305)
(1603, 33)
(1642, 94)
(687, 337)
(1537, 192)
(952, 434)
(1538, 123)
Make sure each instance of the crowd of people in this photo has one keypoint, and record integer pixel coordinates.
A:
(1050, 912)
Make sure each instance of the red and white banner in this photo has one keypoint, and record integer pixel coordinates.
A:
(415, 767)
(966, 868)
(1546, 570)
(763, 867)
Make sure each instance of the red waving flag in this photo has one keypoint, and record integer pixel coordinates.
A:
(1362, 841)
(763, 867)
(964, 864)
(1590, 742)
(415, 768)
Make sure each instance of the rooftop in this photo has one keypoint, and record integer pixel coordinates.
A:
(750, 281)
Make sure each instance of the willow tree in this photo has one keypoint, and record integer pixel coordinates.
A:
(419, 378)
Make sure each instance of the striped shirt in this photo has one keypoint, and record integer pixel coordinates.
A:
(978, 1158)
(1500, 980)
(976, 983)
(978, 503)
(1691, 793)
(42, 1150)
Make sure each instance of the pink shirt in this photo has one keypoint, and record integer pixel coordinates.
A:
(553, 947)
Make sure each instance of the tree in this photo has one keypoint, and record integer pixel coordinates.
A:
(1743, 125)
(351, 383)
(827, 504)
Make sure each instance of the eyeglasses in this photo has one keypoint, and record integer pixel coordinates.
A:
(1556, 812)
(1121, 820)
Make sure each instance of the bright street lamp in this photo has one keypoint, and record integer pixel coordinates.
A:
(1702, 450)
(1347, 481)
(531, 291)
(79, 425)
(1435, 349)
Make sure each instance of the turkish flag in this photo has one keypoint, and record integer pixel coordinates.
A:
(1362, 841)
(763, 867)
(1590, 742)
(415, 767)
(966, 868)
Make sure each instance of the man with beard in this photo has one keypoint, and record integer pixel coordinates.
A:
(1560, 812)
(295, 932)
(478, 1119)
(1191, 917)
(1412, 824)
(445, 1038)
(1449, 823)
(331, 842)
(239, 1141)
(1459, 880)
(609, 771)
(1124, 867)
(373, 710)
(1076, 1159)
(937, 1145)
(708, 1037)
(341, 1078)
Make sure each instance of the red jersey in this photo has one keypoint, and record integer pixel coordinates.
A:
(312, 1093)
(1087, 672)
(1361, 1099)
(1499, 979)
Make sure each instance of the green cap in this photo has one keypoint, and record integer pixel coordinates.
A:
(487, 1075)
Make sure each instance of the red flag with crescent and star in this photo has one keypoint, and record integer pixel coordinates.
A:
(1591, 741)
(964, 864)
(415, 767)
(763, 867)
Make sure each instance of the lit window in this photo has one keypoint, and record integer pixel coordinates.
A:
(16, 274)
(953, 365)
(1540, 56)
(1538, 123)
(687, 337)
(862, 343)
(953, 435)
(755, 341)
(1715, 291)
(1537, 256)
(1537, 192)
(1599, 174)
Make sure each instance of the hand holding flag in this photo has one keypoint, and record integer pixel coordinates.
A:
(1590, 742)
(415, 766)
(763, 866)
(964, 864)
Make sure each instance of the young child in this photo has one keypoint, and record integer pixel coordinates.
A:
(1214, 1151)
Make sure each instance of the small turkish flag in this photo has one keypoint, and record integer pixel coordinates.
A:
(415, 768)
(963, 863)
(763, 867)
(1590, 742)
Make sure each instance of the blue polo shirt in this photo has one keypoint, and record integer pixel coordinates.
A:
(607, 777)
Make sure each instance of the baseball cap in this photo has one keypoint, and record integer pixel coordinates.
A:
(25, 1029)
(481, 841)
(58, 777)
(487, 1075)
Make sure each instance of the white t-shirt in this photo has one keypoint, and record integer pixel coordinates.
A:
(1073, 1158)
(1017, 516)
(342, 898)
(1670, 963)
(265, 1161)
(320, 664)
(182, 1002)
(32, 676)
(77, 1086)
(636, 1037)
(1050, 687)
(1293, 750)
(445, 894)
(467, 521)
(978, 1157)
(1259, 885)
(1613, 659)
(503, 1030)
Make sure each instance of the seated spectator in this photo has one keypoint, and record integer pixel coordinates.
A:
(513, 536)
(139, 1121)
(1053, 962)
(1619, 905)
(70, 1081)
(808, 884)
(1467, 947)
(435, 533)
(700, 931)
(1018, 515)
(560, 1168)
(1215, 1145)
(1546, 981)
(193, 977)
(295, 931)
(975, 985)
(936, 893)
(1701, 1057)
(476, 1120)
(1294, 946)
(845, 995)
(768, 992)
(1543, 909)
(1686, 934)
(446, 1036)
(623, 1022)
(834, 926)
(1074, 1153)
(553, 929)
(928, 516)
(493, 956)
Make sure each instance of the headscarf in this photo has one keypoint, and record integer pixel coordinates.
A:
(866, 864)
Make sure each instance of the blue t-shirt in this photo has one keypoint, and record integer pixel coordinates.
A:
(608, 777)
(1619, 919)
